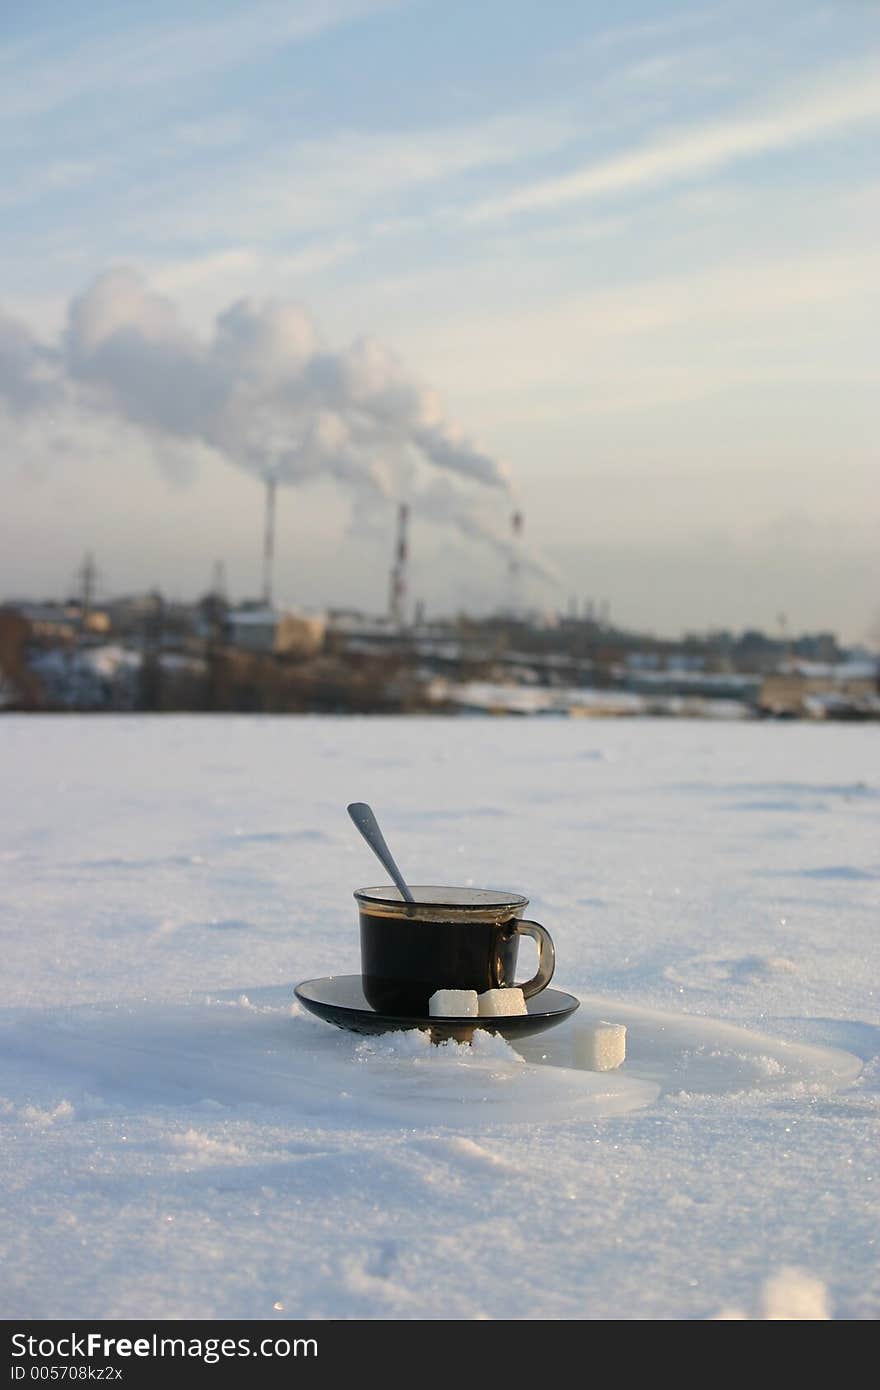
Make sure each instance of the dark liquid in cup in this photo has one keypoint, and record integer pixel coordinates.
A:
(405, 960)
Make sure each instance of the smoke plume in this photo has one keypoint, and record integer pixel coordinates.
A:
(29, 378)
(264, 391)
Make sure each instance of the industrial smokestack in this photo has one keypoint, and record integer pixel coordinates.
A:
(397, 596)
(269, 543)
(517, 522)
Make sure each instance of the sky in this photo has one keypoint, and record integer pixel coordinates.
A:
(614, 267)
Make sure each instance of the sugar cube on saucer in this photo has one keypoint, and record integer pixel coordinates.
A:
(503, 1001)
(600, 1047)
(453, 1003)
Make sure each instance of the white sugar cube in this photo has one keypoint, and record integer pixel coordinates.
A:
(600, 1047)
(502, 1001)
(453, 1003)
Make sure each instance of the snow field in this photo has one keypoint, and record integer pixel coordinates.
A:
(178, 1138)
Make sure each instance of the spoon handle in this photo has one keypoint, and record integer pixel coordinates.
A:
(369, 827)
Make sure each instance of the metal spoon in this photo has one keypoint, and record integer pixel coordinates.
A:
(369, 827)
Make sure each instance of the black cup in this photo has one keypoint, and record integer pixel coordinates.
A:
(449, 938)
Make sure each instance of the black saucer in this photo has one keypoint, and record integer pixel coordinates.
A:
(340, 999)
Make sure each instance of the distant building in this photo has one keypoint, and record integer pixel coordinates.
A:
(704, 684)
(817, 690)
(269, 630)
(63, 622)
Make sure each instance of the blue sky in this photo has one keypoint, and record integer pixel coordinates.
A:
(634, 249)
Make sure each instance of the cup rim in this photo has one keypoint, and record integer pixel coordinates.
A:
(431, 896)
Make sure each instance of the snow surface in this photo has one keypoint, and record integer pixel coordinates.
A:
(179, 1138)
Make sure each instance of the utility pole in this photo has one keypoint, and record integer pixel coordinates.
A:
(87, 575)
(785, 638)
(151, 659)
(216, 609)
(218, 582)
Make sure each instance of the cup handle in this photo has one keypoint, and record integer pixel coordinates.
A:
(546, 956)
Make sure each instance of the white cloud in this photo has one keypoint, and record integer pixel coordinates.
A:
(244, 266)
(212, 133)
(159, 55)
(630, 35)
(319, 255)
(754, 290)
(653, 341)
(338, 178)
(197, 270)
(57, 176)
(852, 99)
